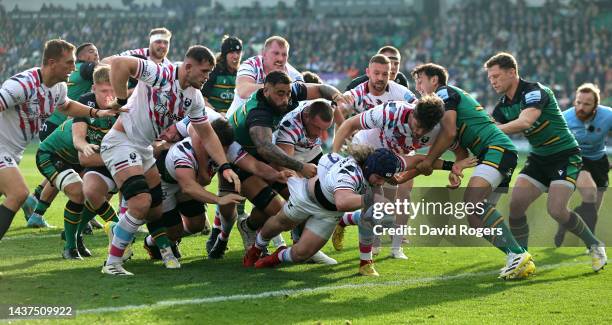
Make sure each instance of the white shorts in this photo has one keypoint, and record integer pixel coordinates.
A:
(169, 192)
(301, 206)
(490, 174)
(110, 183)
(369, 137)
(119, 152)
(8, 159)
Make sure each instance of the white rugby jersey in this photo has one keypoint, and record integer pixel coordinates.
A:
(340, 173)
(158, 102)
(293, 131)
(142, 52)
(365, 100)
(25, 103)
(253, 67)
(183, 124)
(181, 155)
(390, 129)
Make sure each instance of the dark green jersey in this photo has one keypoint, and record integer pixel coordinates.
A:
(60, 141)
(257, 112)
(476, 130)
(79, 82)
(549, 134)
(219, 89)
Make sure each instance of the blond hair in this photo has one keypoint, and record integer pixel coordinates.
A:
(101, 74)
(359, 152)
(590, 88)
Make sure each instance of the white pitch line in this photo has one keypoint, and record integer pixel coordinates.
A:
(294, 292)
(30, 236)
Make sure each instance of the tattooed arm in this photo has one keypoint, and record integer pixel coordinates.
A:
(262, 138)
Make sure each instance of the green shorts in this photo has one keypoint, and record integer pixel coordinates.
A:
(51, 165)
(562, 166)
(502, 159)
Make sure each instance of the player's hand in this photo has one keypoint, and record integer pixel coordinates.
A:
(283, 175)
(425, 167)
(344, 102)
(231, 177)
(116, 108)
(229, 199)
(309, 170)
(90, 149)
(454, 181)
(460, 165)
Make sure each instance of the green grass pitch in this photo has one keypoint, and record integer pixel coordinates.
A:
(436, 285)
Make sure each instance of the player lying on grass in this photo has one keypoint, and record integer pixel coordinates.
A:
(322, 200)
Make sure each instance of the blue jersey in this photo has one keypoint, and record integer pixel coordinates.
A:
(592, 134)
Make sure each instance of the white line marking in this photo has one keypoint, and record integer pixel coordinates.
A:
(30, 236)
(294, 292)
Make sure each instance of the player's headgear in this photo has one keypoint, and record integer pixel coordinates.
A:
(231, 44)
(381, 162)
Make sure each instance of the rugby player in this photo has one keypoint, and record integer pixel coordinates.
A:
(164, 94)
(26, 100)
(396, 58)
(465, 121)
(554, 162)
(590, 124)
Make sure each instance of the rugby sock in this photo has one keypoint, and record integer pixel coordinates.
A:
(107, 213)
(157, 230)
(88, 214)
(217, 220)
(41, 207)
(38, 190)
(250, 225)
(6, 217)
(505, 241)
(240, 208)
(226, 229)
(588, 212)
(365, 253)
(72, 218)
(396, 241)
(350, 218)
(578, 227)
(285, 255)
(279, 241)
(520, 230)
(261, 242)
(123, 235)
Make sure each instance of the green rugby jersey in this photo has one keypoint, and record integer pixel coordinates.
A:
(257, 112)
(549, 134)
(60, 141)
(476, 130)
(219, 89)
(79, 82)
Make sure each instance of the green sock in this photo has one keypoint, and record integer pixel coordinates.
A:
(41, 207)
(87, 215)
(520, 230)
(107, 212)
(38, 190)
(158, 232)
(578, 227)
(504, 242)
(72, 218)
(240, 208)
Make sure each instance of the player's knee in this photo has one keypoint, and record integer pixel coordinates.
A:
(74, 192)
(589, 194)
(19, 195)
(557, 211)
(301, 253)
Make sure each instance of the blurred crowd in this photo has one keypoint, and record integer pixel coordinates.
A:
(558, 45)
